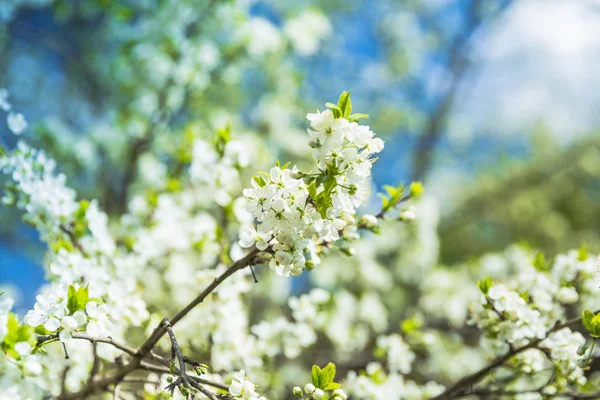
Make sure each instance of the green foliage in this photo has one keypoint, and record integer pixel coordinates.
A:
(222, 137)
(393, 197)
(540, 262)
(485, 284)
(324, 378)
(416, 189)
(343, 109)
(582, 252)
(259, 180)
(2, 151)
(411, 324)
(591, 322)
(323, 200)
(16, 333)
(77, 298)
(79, 225)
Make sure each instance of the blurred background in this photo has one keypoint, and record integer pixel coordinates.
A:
(493, 104)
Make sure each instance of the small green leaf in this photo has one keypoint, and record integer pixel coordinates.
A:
(540, 263)
(72, 299)
(312, 190)
(485, 284)
(259, 180)
(2, 151)
(412, 324)
(416, 189)
(337, 112)
(591, 323)
(345, 104)
(333, 386)
(582, 252)
(357, 117)
(327, 376)
(77, 298)
(315, 375)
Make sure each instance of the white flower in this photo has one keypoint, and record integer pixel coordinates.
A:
(261, 37)
(6, 304)
(4, 103)
(99, 324)
(16, 123)
(307, 30)
(23, 348)
(242, 388)
(48, 309)
(69, 324)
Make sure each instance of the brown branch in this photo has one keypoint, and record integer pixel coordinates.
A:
(458, 389)
(160, 331)
(146, 349)
(46, 339)
(165, 370)
(73, 239)
(96, 362)
(176, 352)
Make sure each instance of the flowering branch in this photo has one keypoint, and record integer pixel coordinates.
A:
(460, 388)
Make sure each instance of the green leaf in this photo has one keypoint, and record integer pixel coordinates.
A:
(591, 323)
(582, 252)
(357, 117)
(412, 324)
(2, 151)
(485, 284)
(315, 375)
(77, 298)
(16, 333)
(312, 190)
(223, 136)
(540, 263)
(72, 299)
(259, 180)
(345, 104)
(416, 189)
(333, 386)
(327, 376)
(337, 112)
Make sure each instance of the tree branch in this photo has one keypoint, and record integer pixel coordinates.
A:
(458, 389)
(146, 349)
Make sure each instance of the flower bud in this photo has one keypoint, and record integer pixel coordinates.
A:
(318, 394)
(409, 214)
(297, 391)
(369, 221)
(339, 394)
(309, 388)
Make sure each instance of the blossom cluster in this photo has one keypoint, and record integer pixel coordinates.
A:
(242, 388)
(298, 211)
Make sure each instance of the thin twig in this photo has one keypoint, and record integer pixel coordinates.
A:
(45, 339)
(177, 352)
(164, 370)
(73, 239)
